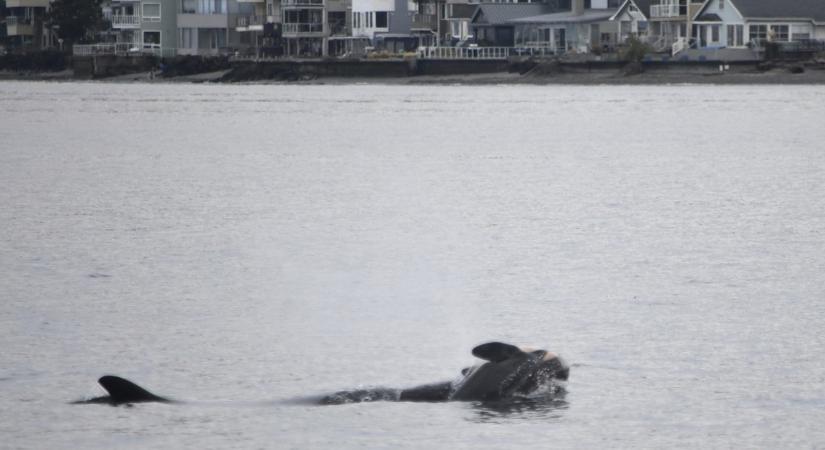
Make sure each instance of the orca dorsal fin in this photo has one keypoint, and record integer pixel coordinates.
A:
(496, 351)
(122, 390)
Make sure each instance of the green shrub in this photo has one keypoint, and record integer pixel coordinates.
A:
(634, 50)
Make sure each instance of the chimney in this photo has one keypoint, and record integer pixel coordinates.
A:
(578, 7)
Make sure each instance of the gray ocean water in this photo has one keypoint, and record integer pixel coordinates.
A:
(246, 248)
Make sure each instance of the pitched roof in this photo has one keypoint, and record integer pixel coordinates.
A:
(643, 5)
(772, 9)
(589, 15)
(501, 13)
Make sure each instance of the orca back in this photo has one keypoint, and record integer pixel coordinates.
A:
(122, 390)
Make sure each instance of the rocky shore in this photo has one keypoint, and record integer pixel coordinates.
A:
(400, 72)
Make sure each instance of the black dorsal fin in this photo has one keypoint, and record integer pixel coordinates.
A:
(122, 390)
(496, 351)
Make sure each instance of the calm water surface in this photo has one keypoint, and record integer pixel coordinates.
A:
(249, 247)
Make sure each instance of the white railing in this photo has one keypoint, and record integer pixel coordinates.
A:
(122, 49)
(464, 52)
(665, 10)
(302, 3)
(678, 45)
(120, 21)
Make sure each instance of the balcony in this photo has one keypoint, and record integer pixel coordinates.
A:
(424, 21)
(19, 26)
(666, 10)
(250, 23)
(303, 29)
(27, 3)
(122, 21)
(195, 19)
(302, 3)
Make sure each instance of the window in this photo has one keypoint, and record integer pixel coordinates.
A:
(189, 6)
(586, 4)
(757, 34)
(186, 40)
(736, 35)
(151, 12)
(714, 33)
(779, 33)
(369, 20)
(613, 3)
(151, 39)
(721, 5)
(381, 19)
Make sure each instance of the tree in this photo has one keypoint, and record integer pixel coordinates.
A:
(74, 20)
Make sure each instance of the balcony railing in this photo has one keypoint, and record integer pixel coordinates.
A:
(123, 49)
(12, 21)
(123, 21)
(465, 52)
(428, 21)
(295, 28)
(665, 10)
(250, 21)
(302, 3)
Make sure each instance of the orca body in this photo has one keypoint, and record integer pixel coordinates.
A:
(122, 391)
(509, 372)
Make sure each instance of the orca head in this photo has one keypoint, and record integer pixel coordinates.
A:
(509, 370)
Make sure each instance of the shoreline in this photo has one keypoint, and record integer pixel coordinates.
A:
(779, 75)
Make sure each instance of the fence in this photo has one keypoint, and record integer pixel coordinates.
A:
(122, 49)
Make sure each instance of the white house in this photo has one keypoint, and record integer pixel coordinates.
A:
(633, 18)
(740, 23)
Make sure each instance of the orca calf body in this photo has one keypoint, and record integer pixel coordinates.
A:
(509, 372)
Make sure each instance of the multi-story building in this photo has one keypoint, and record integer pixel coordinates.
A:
(397, 25)
(304, 27)
(210, 27)
(145, 25)
(24, 24)
(670, 21)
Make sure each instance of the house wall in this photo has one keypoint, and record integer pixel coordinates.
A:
(363, 7)
(632, 19)
(167, 25)
(729, 16)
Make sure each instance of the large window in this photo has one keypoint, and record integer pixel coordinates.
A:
(779, 33)
(151, 39)
(758, 34)
(151, 12)
(381, 18)
(736, 35)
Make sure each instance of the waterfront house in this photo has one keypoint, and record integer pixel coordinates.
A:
(396, 25)
(457, 17)
(492, 23)
(743, 23)
(145, 25)
(585, 28)
(633, 18)
(209, 27)
(24, 25)
(670, 23)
